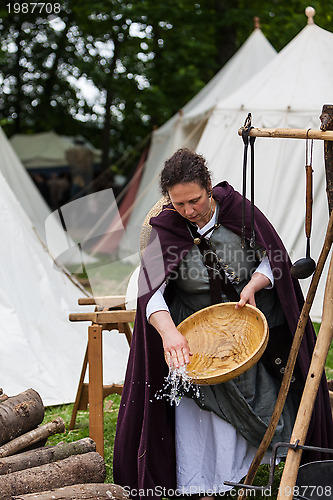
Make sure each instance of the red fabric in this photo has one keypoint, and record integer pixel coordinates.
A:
(110, 241)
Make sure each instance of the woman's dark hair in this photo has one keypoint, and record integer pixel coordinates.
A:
(184, 166)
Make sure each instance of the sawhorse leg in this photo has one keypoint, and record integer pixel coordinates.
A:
(95, 361)
(79, 391)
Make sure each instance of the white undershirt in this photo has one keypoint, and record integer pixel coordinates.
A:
(157, 302)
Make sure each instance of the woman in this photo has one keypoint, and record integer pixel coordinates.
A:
(214, 437)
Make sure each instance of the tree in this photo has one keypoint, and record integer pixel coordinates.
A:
(145, 60)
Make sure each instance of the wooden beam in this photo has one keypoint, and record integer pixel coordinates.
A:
(107, 301)
(104, 317)
(95, 361)
(290, 133)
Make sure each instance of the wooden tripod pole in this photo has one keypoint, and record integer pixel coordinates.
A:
(291, 359)
(324, 338)
(325, 133)
(316, 369)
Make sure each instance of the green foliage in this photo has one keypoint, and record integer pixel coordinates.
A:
(145, 59)
(329, 359)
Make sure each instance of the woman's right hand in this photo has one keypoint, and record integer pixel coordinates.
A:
(175, 345)
(176, 349)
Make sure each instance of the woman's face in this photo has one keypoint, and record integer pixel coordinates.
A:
(191, 201)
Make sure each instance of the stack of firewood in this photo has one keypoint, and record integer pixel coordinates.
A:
(31, 470)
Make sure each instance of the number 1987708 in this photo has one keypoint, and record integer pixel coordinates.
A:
(33, 8)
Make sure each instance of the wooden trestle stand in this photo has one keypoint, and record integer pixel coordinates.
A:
(109, 314)
(325, 334)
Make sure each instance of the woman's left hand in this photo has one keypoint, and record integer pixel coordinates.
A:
(256, 283)
(246, 297)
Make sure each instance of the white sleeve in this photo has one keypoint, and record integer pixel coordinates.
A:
(265, 268)
(156, 302)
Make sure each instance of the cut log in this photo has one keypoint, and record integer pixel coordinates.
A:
(21, 442)
(80, 492)
(19, 414)
(41, 456)
(3, 396)
(78, 469)
(33, 446)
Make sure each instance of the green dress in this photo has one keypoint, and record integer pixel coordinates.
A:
(247, 401)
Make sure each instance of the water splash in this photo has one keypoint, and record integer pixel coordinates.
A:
(176, 383)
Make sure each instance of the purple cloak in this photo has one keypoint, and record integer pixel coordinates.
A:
(144, 450)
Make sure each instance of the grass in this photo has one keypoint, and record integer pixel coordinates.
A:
(329, 360)
(111, 407)
(81, 430)
(108, 273)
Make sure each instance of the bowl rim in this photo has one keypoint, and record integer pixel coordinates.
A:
(244, 365)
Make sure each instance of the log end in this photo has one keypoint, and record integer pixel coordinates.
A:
(91, 491)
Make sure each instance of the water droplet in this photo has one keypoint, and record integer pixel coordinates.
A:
(176, 383)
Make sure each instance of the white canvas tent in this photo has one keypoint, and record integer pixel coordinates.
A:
(186, 127)
(32, 201)
(46, 149)
(288, 93)
(23, 187)
(40, 348)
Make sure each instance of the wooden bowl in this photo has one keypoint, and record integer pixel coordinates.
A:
(224, 341)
